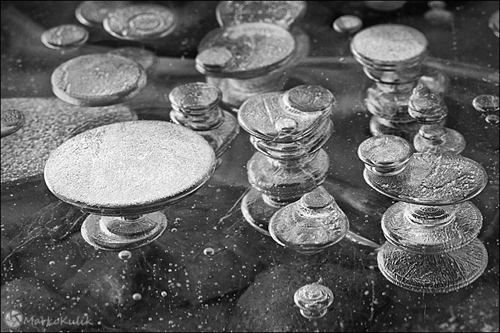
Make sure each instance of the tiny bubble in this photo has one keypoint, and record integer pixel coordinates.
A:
(125, 255)
(347, 24)
(492, 119)
(208, 251)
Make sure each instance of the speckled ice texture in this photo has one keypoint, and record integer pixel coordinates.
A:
(49, 122)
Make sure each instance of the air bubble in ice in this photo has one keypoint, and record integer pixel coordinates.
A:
(485, 103)
(208, 251)
(125, 255)
(492, 119)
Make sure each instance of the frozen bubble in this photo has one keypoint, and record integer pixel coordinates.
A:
(271, 116)
(164, 294)
(99, 168)
(492, 119)
(12, 120)
(98, 80)
(439, 16)
(92, 13)
(389, 44)
(485, 103)
(125, 255)
(437, 4)
(195, 96)
(438, 139)
(66, 36)
(434, 273)
(429, 108)
(115, 233)
(493, 23)
(214, 58)
(426, 106)
(282, 13)
(311, 224)
(313, 300)
(431, 229)
(347, 24)
(436, 80)
(208, 251)
(245, 51)
(136, 297)
(51, 263)
(433, 179)
(309, 98)
(196, 106)
(385, 153)
(385, 6)
(142, 21)
(143, 57)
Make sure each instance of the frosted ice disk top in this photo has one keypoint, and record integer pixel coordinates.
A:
(282, 13)
(195, 96)
(66, 36)
(385, 154)
(421, 178)
(140, 22)
(244, 51)
(98, 80)
(291, 115)
(130, 167)
(389, 45)
(93, 13)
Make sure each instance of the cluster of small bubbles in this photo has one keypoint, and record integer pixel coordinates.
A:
(125, 255)
(136, 297)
